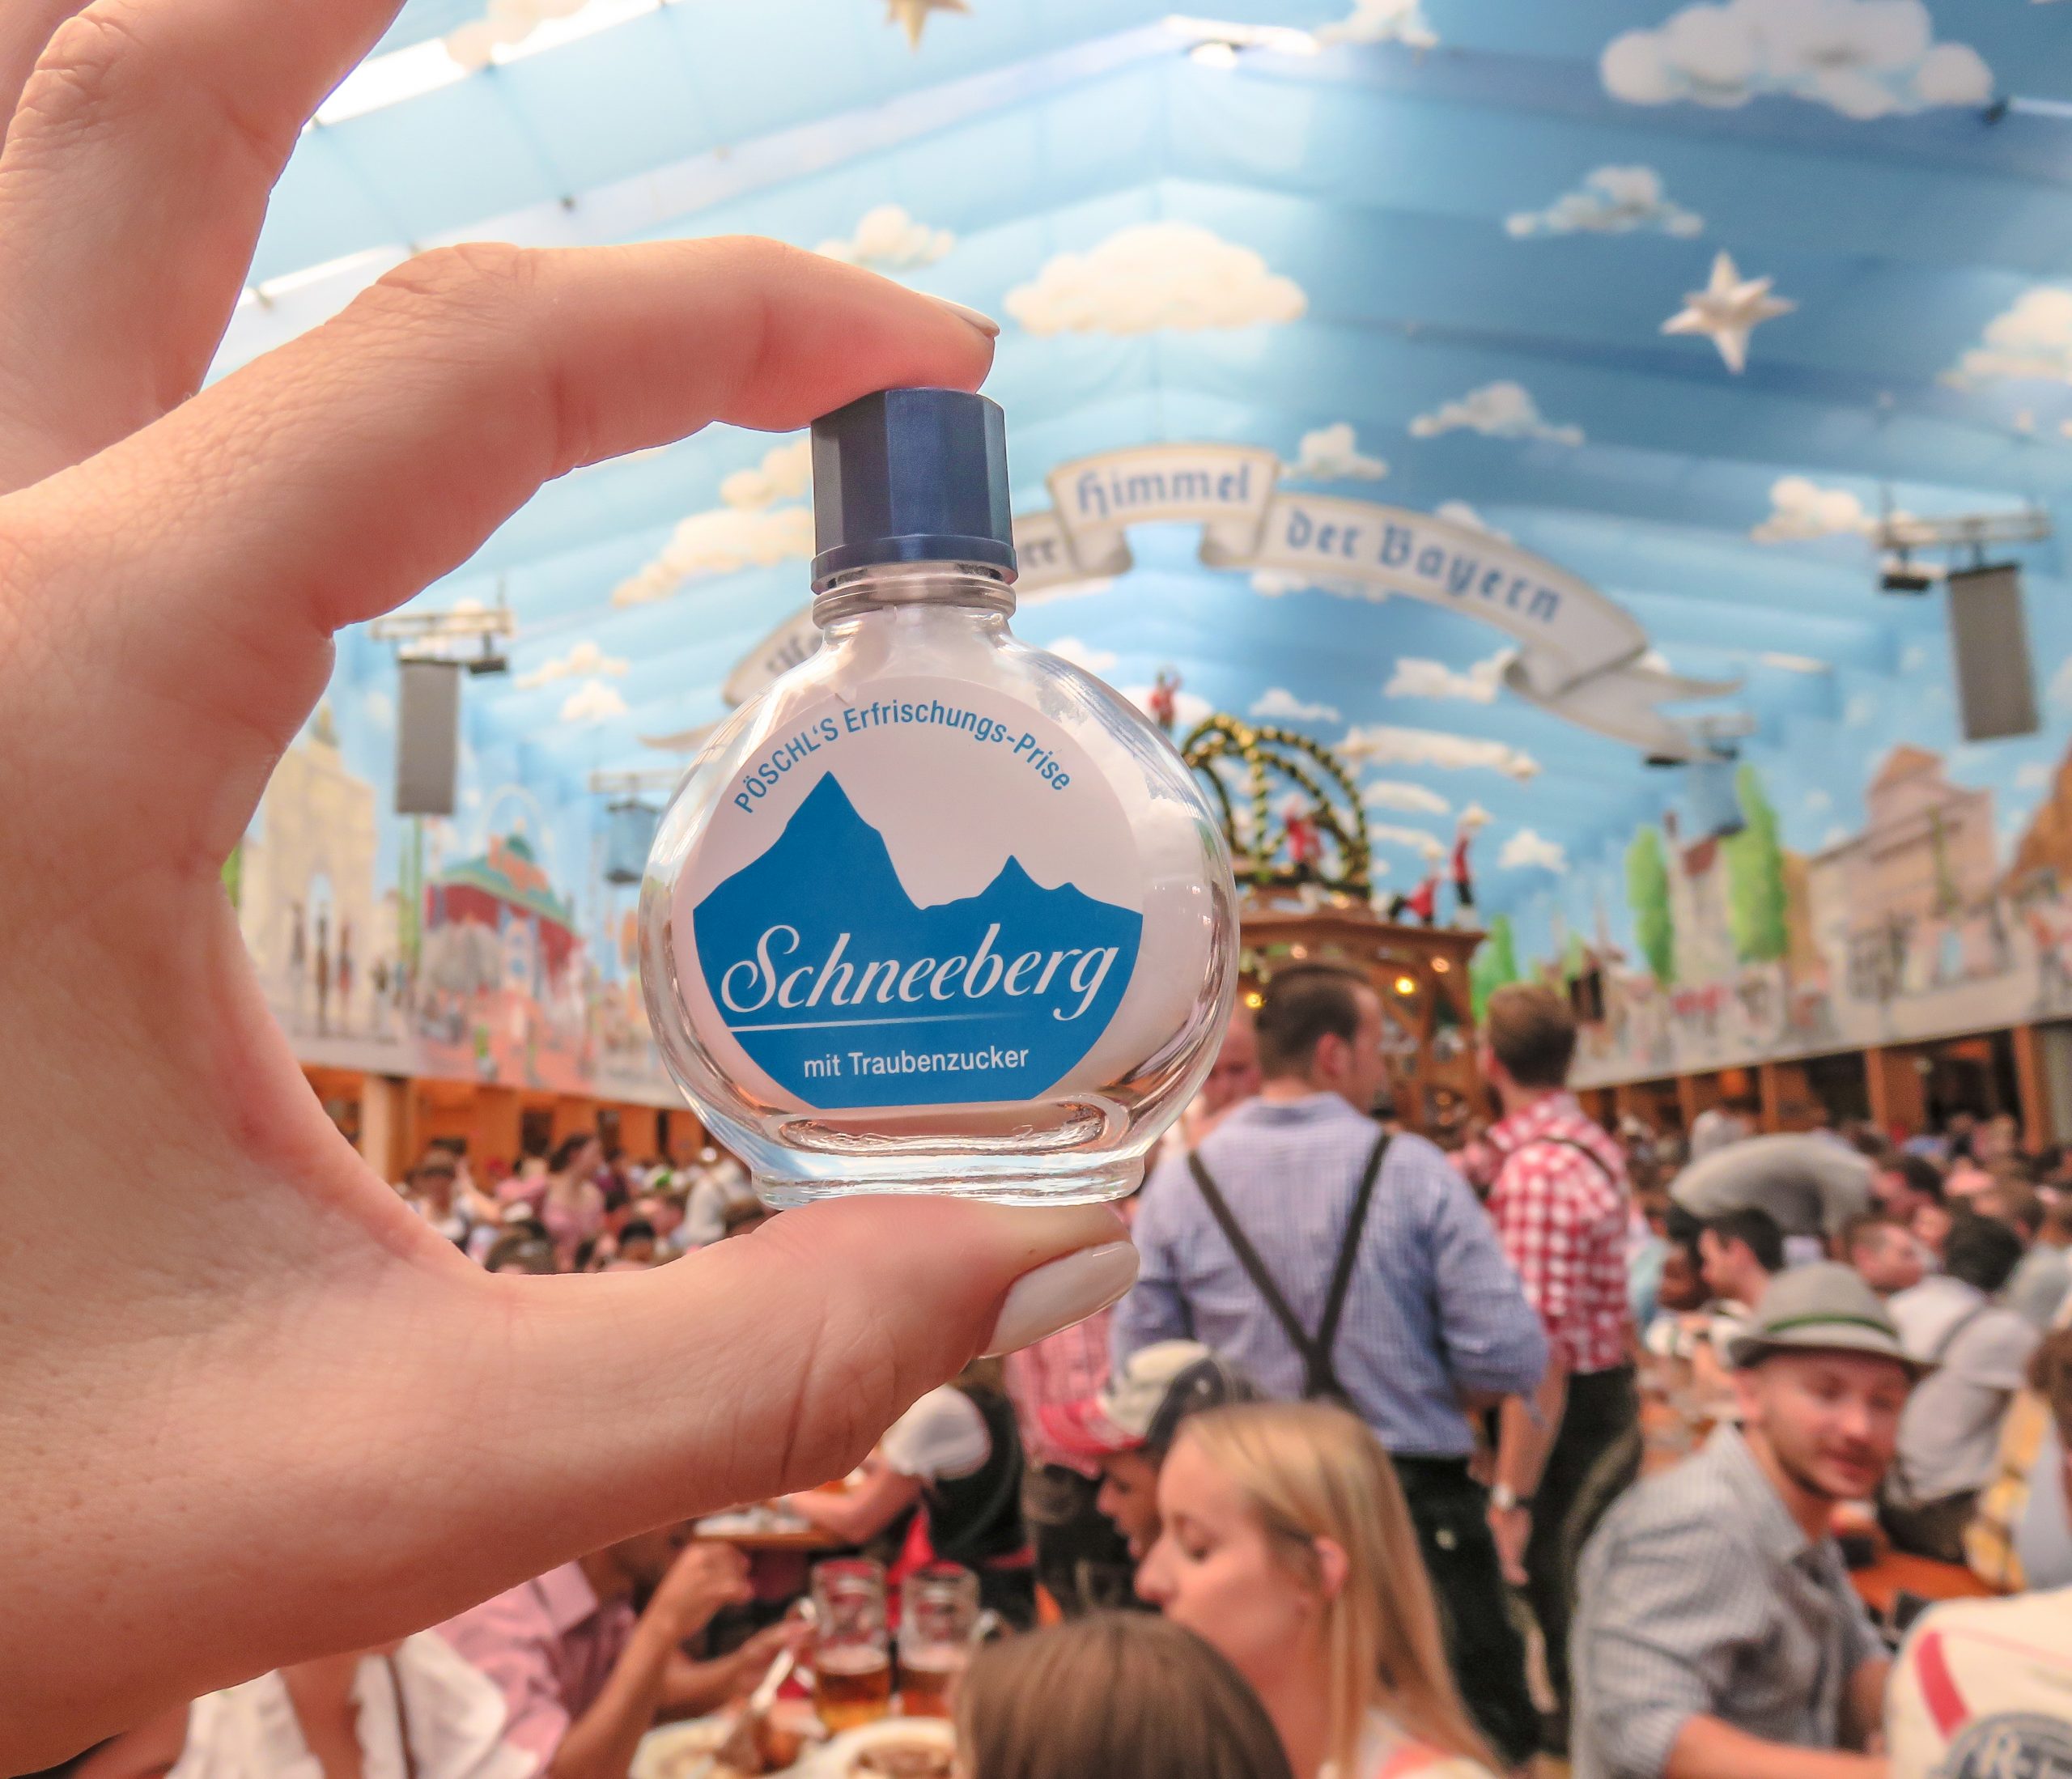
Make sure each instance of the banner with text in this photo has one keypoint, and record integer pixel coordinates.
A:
(1581, 656)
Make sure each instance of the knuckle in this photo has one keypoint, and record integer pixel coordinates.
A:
(86, 72)
(474, 278)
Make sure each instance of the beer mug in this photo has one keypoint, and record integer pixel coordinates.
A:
(851, 1663)
(938, 1609)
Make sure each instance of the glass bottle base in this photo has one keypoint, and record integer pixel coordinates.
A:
(1115, 1179)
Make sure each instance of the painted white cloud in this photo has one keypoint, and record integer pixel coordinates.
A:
(1332, 453)
(1794, 664)
(1398, 794)
(1064, 590)
(1857, 714)
(1474, 815)
(1818, 802)
(1458, 512)
(785, 474)
(504, 25)
(1428, 844)
(1610, 200)
(2032, 775)
(718, 542)
(1154, 275)
(1528, 850)
(1277, 703)
(585, 661)
(1084, 655)
(1383, 744)
(1501, 410)
(1382, 21)
(1914, 657)
(593, 701)
(2031, 341)
(1801, 510)
(379, 708)
(888, 240)
(1416, 677)
(1278, 583)
(2060, 692)
(1864, 59)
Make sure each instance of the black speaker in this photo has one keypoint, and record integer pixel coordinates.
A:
(1989, 653)
(428, 737)
(629, 838)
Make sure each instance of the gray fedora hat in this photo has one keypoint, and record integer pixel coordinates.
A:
(1823, 1308)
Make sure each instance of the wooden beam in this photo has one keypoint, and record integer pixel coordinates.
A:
(1897, 1101)
(2033, 1087)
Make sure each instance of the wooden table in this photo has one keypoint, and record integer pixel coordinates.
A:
(1895, 1574)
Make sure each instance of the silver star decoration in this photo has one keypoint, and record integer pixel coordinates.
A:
(1729, 309)
(914, 16)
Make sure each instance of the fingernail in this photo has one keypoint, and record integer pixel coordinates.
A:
(985, 324)
(1065, 1291)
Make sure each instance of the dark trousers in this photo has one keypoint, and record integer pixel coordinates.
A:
(1594, 1459)
(1081, 1560)
(1451, 1511)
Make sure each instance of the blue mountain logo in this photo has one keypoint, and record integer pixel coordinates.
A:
(847, 994)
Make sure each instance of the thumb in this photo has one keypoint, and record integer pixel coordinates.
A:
(774, 1361)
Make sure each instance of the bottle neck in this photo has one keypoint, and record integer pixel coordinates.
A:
(972, 586)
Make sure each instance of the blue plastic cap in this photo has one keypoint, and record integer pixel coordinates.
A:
(910, 476)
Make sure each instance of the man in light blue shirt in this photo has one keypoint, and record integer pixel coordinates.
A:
(1432, 1326)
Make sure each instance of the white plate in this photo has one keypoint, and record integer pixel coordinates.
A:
(681, 1751)
(838, 1759)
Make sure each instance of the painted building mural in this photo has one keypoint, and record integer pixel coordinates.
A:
(489, 947)
(1945, 909)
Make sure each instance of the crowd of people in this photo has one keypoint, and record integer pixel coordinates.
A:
(1395, 1460)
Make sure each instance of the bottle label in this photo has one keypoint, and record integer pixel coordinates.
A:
(920, 892)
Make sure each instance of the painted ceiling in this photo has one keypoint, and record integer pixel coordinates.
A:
(1424, 253)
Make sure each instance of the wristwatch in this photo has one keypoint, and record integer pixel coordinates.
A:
(1506, 1501)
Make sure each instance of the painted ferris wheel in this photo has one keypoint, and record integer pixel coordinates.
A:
(1290, 810)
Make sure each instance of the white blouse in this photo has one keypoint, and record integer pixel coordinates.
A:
(455, 1717)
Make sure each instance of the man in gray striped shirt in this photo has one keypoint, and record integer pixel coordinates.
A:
(1717, 1636)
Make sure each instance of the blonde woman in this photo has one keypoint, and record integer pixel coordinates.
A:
(1288, 1546)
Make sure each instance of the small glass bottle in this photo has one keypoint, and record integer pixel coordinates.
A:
(938, 912)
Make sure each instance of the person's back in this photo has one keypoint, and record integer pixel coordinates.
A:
(1980, 1349)
(1811, 1186)
(1562, 1212)
(1432, 1309)
(1241, 1244)
(1289, 1173)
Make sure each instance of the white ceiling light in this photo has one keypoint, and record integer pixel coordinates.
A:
(405, 74)
(382, 81)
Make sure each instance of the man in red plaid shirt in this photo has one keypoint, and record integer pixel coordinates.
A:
(1562, 1212)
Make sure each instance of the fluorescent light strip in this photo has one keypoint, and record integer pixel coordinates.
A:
(553, 33)
(273, 289)
(383, 81)
(404, 75)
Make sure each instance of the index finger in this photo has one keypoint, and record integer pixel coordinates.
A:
(333, 479)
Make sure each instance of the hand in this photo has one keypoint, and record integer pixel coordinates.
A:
(251, 1405)
(752, 1660)
(703, 1579)
(1512, 1529)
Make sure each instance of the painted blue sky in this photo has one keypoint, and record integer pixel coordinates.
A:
(1486, 210)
